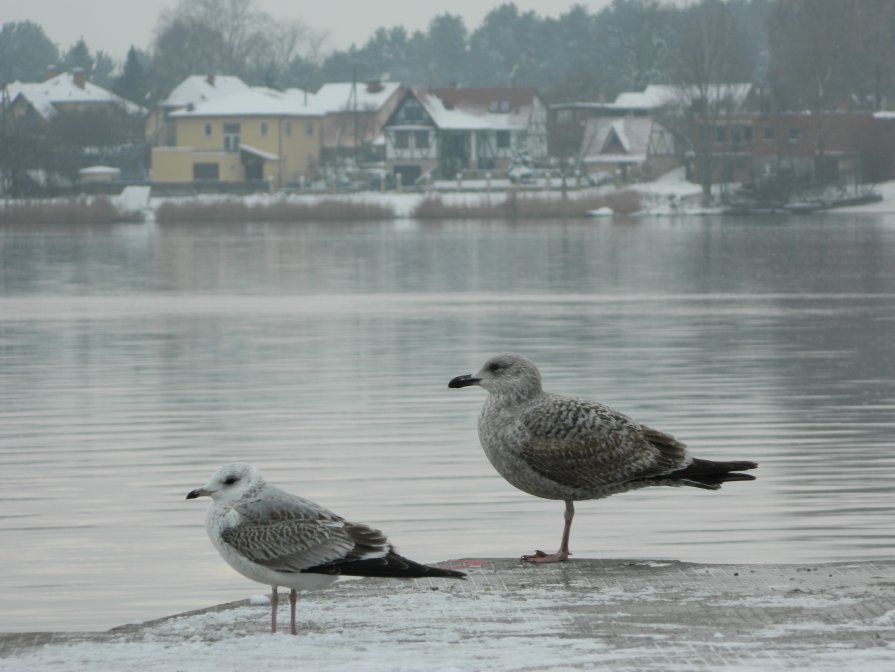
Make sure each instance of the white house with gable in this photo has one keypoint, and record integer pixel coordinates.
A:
(444, 131)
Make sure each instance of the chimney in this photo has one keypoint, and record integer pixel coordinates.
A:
(374, 86)
(79, 77)
(50, 72)
(209, 79)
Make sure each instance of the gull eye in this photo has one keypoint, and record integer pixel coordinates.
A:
(230, 480)
(494, 367)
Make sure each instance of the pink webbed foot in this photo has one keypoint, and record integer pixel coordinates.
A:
(541, 557)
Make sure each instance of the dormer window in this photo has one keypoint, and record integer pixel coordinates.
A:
(493, 107)
(504, 106)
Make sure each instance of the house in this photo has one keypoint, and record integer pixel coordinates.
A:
(802, 148)
(622, 144)
(355, 115)
(68, 92)
(456, 129)
(648, 130)
(250, 135)
(191, 91)
(63, 124)
(657, 98)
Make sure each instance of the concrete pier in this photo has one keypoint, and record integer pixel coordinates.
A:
(579, 615)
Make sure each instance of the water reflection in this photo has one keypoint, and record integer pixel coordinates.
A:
(135, 360)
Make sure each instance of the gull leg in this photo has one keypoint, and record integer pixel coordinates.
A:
(293, 598)
(274, 599)
(563, 553)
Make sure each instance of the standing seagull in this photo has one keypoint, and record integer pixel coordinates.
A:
(279, 539)
(565, 448)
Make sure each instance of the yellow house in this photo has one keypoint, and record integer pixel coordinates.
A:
(256, 134)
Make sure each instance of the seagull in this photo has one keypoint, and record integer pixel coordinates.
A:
(559, 447)
(279, 539)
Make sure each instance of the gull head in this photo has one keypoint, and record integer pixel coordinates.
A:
(229, 482)
(505, 374)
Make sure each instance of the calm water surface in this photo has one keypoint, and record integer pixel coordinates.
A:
(135, 360)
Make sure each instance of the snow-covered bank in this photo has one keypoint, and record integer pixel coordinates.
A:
(586, 614)
(669, 195)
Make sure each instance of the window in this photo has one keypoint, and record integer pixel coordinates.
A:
(231, 137)
(493, 107)
(421, 139)
(768, 134)
(411, 111)
(402, 139)
(263, 129)
(309, 129)
(747, 133)
(206, 129)
(504, 106)
(503, 139)
(288, 128)
(205, 171)
(794, 134)
(720, 134)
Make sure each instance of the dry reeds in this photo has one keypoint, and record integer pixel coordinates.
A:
(528, 206)
(236, 210)
(85, 210)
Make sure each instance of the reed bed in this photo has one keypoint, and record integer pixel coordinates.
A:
(236, 210)
(84, 210)
(527, 206)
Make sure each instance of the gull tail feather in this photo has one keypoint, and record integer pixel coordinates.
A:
(710, 475)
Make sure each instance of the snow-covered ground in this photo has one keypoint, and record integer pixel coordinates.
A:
(620, 615)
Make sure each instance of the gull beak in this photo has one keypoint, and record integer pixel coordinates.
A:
(198, 492)
(464, 381)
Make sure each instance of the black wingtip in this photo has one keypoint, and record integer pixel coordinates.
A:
(446, 573)
(391, 566)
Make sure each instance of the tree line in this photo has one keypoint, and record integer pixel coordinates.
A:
(810, 54)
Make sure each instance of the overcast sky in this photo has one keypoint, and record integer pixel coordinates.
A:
(114, 25)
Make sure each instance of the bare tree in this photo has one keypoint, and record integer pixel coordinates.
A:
(810, 42)
(875, 50)
(706, 63)
(227, 36)
(564, 139)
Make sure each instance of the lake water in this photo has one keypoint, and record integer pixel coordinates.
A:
(136, 359)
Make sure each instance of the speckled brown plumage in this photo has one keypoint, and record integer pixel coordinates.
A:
(572, 449)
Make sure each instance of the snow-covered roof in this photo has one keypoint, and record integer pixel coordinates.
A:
(659, 95)
(615, 139)
(260, 153)
(254, 101)
(339, 96)
(197, 88)
(99, 170)
(62, 89)
(478, 109)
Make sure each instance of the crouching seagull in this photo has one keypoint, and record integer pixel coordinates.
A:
(279, 539)
(572, 449)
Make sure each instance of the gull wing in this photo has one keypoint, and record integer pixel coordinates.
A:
(585, 444)
(291, 534)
